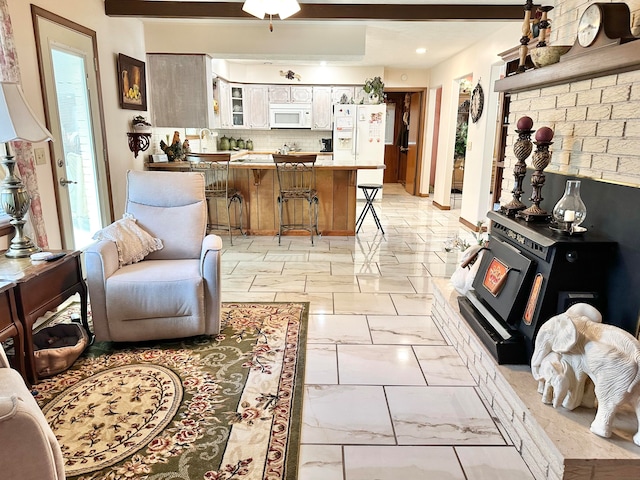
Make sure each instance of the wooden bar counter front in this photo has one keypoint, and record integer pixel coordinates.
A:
(255, 177)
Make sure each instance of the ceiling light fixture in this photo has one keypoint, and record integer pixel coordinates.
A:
(421, 50)
(260, 8)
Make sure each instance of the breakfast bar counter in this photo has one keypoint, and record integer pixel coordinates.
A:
(254, 175)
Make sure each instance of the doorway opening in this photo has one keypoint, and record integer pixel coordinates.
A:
(462, 127)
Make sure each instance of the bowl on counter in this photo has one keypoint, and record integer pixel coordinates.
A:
(544, 56)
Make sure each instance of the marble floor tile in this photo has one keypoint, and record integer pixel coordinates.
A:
(378, 365)
(441, 365)
(254, 268)
(331, 257)
(306, 268)
(363, 303)
(278, 283)
(318, 302)
(320, 462)
(286, 256)
(346, 415)
(422, 284)
(242, 256)
(402, 463)
(349, 329)
(249, 297)
(321, 366)
(355, 269)
(493, 463)
(407, 330)
(412, 304)
(441, 269)
(422, 257)
(385, 284)
(406, 269)
(332, 283)
(227, 267)
(232, 283)
(441, 416)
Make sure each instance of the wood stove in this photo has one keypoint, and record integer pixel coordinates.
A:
(528, 274)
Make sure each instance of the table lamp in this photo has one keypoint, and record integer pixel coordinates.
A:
(17, 122)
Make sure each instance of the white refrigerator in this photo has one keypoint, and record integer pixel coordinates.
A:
(359, 136)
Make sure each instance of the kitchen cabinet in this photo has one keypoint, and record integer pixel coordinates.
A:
(180, 90)
(224, 103)
(239, 117)
(290, 94)
(321, 108)
(257, 103)
(338, 92)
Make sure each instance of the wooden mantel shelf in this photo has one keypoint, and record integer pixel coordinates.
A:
(598, 63)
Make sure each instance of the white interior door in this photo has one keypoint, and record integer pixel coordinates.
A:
(69, 71)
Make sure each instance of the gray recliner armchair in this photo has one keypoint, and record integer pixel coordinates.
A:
(173, 292)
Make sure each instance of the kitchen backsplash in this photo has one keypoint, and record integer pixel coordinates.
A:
(263, 140)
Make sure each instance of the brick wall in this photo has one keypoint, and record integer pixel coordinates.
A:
(596, 121)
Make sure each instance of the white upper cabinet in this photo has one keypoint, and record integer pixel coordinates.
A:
(224, 103)
(342, 94)
(257, 101)
(290, 94)
(178, 99)
(321, 108)
(239, 117)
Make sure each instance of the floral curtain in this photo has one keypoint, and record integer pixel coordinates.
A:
(23, 151)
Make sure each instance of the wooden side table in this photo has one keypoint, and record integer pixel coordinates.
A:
(41, 287)
(11, 327)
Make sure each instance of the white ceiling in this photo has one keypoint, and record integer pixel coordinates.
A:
(390, 44)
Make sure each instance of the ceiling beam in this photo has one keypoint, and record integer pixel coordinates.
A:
(315, 11)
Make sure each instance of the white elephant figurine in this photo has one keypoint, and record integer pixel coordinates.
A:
(609, 355)
(560, 381)
(462, 278)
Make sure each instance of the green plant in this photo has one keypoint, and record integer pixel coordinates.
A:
(460, 148)
(375, 86)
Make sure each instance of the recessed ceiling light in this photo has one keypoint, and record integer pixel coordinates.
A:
(323, 63)
(421, 50)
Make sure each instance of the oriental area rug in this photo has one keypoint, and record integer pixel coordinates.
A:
(206, 408)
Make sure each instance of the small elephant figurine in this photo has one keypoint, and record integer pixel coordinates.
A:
(562, 381)
(609, 355)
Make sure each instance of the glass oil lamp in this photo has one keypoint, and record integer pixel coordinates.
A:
(570, 211)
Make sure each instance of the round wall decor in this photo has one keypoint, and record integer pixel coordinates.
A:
(477, 103)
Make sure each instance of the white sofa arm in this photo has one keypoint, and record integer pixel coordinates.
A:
(101, 259)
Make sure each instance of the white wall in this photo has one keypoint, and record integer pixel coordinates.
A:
(114, 35)
(477, 61)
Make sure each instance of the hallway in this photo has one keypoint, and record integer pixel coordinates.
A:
(386, 397)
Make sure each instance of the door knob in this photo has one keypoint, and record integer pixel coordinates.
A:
(64, 182)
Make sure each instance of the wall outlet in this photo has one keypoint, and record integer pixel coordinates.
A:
(41, 158)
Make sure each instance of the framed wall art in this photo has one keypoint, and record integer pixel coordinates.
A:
(132, 83)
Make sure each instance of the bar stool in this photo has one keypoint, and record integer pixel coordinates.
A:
(370, 191)
(215, 167)
(297, 181)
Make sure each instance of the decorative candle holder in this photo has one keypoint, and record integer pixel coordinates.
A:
(544, 26)
(570, 211)
(522, 149)
(541, 158)
(526, 33)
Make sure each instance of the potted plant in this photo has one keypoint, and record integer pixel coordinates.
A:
(374, 87)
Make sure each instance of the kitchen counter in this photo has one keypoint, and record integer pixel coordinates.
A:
(253, 174)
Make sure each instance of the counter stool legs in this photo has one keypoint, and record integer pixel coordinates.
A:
(370, 192)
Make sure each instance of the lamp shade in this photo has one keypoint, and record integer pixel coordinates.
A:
(282, 8)
(17, 120)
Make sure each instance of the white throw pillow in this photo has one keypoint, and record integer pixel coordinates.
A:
(133, 242)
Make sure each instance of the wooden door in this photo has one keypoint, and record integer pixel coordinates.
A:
(436, 135)
(415, 111)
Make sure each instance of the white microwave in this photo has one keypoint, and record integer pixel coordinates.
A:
(290, 115)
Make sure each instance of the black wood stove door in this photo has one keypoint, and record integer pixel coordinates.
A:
(503, 280)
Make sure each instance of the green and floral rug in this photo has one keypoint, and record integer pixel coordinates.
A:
(210, 408)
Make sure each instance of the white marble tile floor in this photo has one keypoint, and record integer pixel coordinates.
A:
(386, 396)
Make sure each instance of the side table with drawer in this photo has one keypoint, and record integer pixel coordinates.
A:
(41, 287)
(11, 327)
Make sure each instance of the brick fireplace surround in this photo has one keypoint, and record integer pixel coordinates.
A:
(592, 103)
